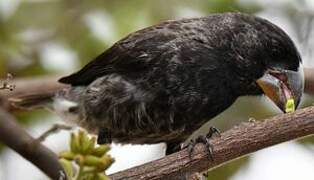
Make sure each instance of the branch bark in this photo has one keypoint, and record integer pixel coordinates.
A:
(20, 141)
(239, 141)
(26, 86)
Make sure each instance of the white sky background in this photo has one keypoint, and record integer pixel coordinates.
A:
(58, 58)
(8, 7)
(287, 161)
(102, 26)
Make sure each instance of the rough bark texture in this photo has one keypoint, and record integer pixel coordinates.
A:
(234, 143)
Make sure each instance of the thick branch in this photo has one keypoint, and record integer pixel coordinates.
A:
(20, 141)
(234, 143)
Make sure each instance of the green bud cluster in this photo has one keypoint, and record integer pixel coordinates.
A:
(85, 160)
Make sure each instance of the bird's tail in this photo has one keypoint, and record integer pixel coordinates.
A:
(33, 101)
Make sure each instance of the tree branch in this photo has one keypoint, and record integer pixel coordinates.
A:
(20, 141)
(239, 141)
(26, 86)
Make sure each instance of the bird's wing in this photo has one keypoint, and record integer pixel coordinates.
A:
(132, 54)
(105, 63)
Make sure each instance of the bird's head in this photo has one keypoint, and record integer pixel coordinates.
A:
(283, 86)
(269, 59)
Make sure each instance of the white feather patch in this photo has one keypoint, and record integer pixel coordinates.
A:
(61, 107)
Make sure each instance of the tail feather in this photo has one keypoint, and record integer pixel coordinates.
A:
(33, 101)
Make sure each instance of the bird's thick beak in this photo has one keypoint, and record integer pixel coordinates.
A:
(283, 87)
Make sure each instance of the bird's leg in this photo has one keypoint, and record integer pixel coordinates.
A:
(204, 139)
(173, 147)
(104, 137)
(54, 129)
(200, 139)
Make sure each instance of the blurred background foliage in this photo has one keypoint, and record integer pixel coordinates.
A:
(72, 23)
(42, 37)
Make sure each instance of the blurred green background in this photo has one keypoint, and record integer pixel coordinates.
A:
(42, 37)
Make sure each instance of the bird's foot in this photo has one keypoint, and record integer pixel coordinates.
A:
(204, 139)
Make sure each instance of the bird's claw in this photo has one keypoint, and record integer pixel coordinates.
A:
(212, 131)
(204, 139)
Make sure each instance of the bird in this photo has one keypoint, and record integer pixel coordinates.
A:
(162, 83)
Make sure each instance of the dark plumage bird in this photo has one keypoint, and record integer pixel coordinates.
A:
(162, 83)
